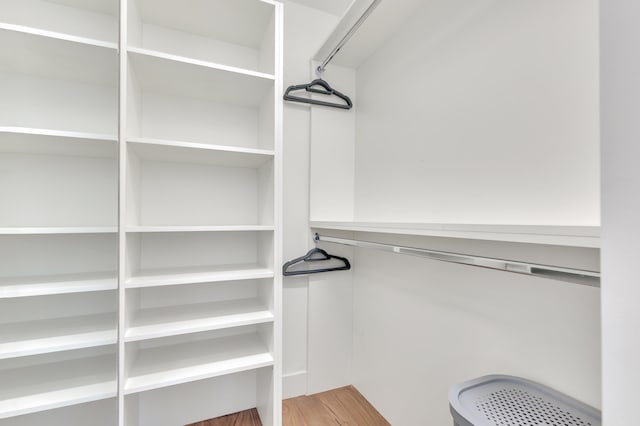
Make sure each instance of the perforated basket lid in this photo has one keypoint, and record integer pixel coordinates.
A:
(512, 401)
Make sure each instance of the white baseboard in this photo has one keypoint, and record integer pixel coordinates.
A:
(294, 384)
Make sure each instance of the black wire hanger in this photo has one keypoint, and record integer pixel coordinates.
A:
(315, 255)
(326, 90)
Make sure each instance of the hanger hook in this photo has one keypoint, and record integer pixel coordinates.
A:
(320, 72)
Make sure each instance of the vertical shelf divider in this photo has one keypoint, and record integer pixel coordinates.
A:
(278, 200)
(122, 198)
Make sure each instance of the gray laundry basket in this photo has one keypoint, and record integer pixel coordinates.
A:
(512, 401)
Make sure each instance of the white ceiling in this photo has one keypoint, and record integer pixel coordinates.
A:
(334, 7)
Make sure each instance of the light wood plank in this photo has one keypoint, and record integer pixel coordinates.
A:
(342, 406)
(350, 407)
(243, 418)
(314, 413)
(291, 414)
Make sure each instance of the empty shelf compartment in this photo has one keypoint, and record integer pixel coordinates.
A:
(181, 362)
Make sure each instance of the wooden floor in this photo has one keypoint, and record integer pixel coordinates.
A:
(338, 407)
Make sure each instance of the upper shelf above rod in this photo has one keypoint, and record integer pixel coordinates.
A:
(567, 236)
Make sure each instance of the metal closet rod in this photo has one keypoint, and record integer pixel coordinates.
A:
(347, 36)
(578, 276)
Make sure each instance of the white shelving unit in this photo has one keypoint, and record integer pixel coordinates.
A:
(140, 145)
(140, 151)
(58, 224)
(200, 242)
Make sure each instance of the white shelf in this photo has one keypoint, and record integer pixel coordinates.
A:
(199, 63)
(573, 236)
(59, 230)
(56, 385)
(194, 275)
(179, 76)
(223, 228)
(54, 55)
(57, 284)
(173, 320)
(58, 36)
(199, 153)
(57, 142)
(55, 335)
(186, 362)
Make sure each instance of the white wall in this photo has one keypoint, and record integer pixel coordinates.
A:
(621, 209)
(333, 136)
(305, 30)
(476, 112)
(331, 186)
(422, 326)
(469, 93)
